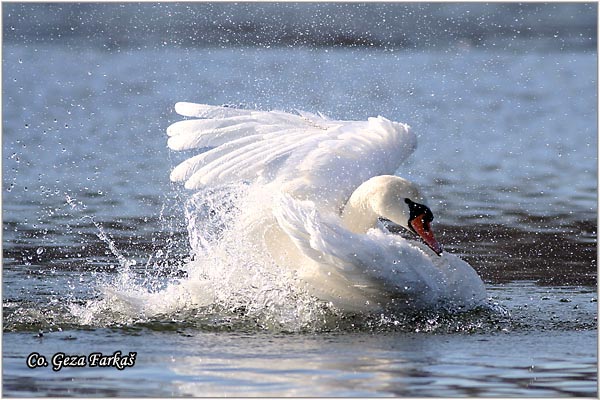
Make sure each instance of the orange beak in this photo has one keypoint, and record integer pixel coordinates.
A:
(423, 229)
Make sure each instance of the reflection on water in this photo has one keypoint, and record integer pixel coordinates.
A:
(345, 364)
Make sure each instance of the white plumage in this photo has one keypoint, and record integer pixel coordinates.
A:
(311, 166)
(303, 151)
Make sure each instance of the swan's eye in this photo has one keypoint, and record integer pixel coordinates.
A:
(426, 223)
(428, 217)
(418, 210)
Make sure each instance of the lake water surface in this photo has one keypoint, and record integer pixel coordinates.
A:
(507, 156)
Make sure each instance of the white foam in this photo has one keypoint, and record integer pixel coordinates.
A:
(230, 272)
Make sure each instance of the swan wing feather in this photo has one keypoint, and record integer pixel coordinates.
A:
(351, 154)
(304, 152)
(367, 262)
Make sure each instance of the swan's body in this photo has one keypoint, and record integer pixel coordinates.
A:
(328, 183)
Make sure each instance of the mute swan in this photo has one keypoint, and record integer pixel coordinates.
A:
(327, 187)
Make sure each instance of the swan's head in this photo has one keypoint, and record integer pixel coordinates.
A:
(419, 222)
(399, 201)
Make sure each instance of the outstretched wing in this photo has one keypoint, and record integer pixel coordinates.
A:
(308, 155)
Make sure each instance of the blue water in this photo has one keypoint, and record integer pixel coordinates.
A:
(507, 155)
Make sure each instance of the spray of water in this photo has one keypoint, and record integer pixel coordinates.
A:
(229, 276)
(231, 281)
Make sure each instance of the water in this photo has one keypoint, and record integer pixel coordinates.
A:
(95, 241)
(329, 364)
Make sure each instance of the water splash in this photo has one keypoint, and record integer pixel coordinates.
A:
(124, 263)
(230, 281)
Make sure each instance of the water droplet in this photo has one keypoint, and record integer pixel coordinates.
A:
(39, 250)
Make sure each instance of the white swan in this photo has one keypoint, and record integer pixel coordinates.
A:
(327, 185)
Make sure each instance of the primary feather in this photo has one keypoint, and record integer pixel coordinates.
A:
(304, 152)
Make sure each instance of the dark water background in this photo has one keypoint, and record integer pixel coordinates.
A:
(502, 96)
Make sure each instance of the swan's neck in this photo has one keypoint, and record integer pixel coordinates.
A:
(380, 196)
(358, 217)
(358, 214)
